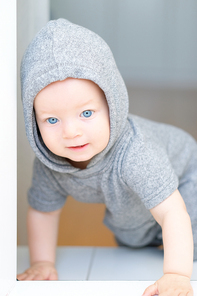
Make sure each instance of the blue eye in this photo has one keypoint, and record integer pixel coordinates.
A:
(52, 120)
(87, 113)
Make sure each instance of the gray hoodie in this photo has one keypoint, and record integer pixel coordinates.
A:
(144, 161)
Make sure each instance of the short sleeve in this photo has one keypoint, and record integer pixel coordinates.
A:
(146, 170)
(45, 194)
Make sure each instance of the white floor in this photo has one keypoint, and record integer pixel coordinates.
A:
(82, 288)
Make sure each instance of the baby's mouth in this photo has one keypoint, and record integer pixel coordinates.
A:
(78, 147)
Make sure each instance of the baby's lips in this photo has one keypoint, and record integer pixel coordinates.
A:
(78, 147)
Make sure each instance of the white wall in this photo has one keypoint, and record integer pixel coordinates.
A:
(32, 15)
(154, 42)
(8, 141)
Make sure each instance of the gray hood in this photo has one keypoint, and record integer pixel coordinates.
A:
(62, 49)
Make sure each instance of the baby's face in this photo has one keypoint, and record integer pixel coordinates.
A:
(73, 119)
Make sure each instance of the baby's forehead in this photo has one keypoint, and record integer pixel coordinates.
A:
(74, 92)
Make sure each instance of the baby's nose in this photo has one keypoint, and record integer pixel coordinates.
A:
(71, 130)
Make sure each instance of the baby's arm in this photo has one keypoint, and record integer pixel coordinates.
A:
(42, 238)
(172, 215)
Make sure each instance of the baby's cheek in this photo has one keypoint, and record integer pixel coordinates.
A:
(49, 141)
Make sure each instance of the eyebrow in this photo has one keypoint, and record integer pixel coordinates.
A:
(86, 103)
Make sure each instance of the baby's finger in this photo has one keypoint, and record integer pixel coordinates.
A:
(171, 293)
(183, 293)
(53, 276)
(29, 277)
(38, 277)
(151, 290)
(21, 276)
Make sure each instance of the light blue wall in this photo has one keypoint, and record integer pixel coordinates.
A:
(154, 42)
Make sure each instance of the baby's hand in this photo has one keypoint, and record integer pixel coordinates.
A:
(39, 271)
(170, 285)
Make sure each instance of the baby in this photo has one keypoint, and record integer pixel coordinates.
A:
(88, 146)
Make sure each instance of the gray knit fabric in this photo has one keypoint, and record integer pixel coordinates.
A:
(144, 161)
